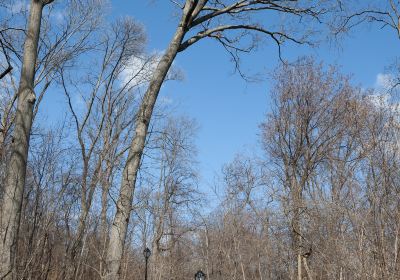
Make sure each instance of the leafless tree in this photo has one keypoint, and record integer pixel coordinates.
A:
(175, 191)
(101, 118)
(15, 180)
(384, 13)
(35, 69)
(308, 120)
(227, 23)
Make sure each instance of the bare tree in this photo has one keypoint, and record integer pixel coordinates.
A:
(61, 42)
(175, 190)
(101, 121)
(308, 119)
(384, 13)
(43, 56)
(15, 180)
(227, 23)
(47, 189)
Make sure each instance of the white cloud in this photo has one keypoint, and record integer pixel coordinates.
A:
(139, 70)
(384, 82)
(382, 98)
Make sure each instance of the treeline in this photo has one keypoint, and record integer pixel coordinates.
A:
(82, 195)
(320, 202)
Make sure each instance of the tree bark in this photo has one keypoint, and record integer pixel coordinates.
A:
(124, 204)
(308, 270)
(296, 226)
(15, 177)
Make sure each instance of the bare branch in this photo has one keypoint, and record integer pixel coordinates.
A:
(275, 35)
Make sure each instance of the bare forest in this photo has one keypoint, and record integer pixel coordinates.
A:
(112, 188)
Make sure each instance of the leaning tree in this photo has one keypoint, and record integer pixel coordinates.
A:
(236, 26)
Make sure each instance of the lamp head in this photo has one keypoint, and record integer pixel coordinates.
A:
(199, 275)
(146, 253)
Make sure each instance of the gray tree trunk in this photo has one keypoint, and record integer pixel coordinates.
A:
(15, 178)
(124, 205)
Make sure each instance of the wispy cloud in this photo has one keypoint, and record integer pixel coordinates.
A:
(139, 70)
(384, 82)
(382, 98)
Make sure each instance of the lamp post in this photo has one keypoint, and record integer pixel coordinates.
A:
(146, 253)
(200, 275)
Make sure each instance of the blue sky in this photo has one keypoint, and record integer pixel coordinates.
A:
(228, 109)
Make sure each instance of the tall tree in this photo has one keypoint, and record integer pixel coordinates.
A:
(15, 178)
(311, 108)
(103, 124)
(232, 25)
(175, 190)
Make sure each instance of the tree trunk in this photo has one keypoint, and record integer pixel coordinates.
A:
(308, 270)
(296, 224)
(86, 204)
(299, 273)
(15, 178)
(124, 205)
(156, 267)
(105, 182)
